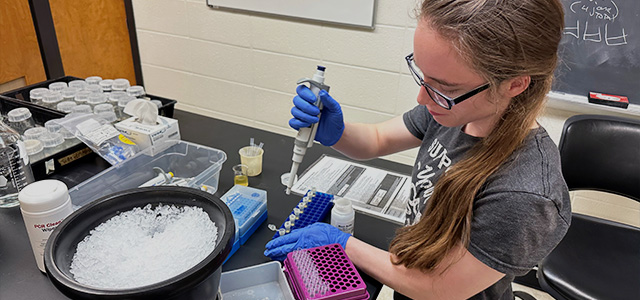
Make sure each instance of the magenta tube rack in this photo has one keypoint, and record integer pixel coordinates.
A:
(323, 273)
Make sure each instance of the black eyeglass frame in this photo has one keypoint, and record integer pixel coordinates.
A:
(450, 101)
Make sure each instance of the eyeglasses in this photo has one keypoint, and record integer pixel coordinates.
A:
(437, 96)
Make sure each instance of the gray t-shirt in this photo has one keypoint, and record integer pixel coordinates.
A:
(521, 213)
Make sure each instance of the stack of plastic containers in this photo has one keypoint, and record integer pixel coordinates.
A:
(249, 208)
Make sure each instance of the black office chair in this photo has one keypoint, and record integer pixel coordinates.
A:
(597, 259)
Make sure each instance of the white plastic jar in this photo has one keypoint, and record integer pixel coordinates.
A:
(343, 215)
(44, 204)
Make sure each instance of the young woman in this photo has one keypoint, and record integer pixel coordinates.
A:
(488, 199)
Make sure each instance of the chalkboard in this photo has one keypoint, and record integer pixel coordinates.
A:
(600, 48)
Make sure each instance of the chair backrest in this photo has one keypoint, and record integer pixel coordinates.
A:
(602, 153)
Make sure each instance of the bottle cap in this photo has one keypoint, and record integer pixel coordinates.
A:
(43, 195)
(66, 106)
(158, 103)
(33, 146)
(51, 139)
(342, 205)
(109, 116)
(120, 84)
(115, 96)
(52, 97)
(94, 89)
(52, 125)
(93, 80)
(82, 96)
(106, 84)
(82, 108)
(96, 98)
(78, 84)
(104, 107)
(69, 93)
(34, 133)
(19, 114)
(37, 93)
(136, 91)
(58, 86)
(126, 99)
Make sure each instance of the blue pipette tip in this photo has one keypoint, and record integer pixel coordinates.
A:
(321, 68)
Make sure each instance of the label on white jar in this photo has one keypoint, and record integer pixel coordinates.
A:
(39, 229)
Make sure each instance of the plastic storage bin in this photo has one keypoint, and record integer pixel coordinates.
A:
(184, 159)
(263, 281)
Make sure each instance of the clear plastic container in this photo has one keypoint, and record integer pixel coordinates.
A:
(120, 84)
(52, 142)
(78, 84)
(51, 99)
(158, 103)
(263, 281)
(121, 104)
(35, 95)
(104, 107)
(69, 139)
(35, 149)
(96, 99)
(93, 80)
(136, 91)
(82, 108)
(106, 84)
(201, 164)
(34, 133)
(115, 96)
(20, 119)
(69, 94)
(94, 89)
(58, 86)
(14, 166)
(53, 125)
(247, 205)
(109, 116)
(82, 97)
(66, 106)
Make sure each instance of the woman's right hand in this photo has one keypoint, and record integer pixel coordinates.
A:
(305, 114)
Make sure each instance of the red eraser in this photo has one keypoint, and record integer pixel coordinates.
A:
(610, 100)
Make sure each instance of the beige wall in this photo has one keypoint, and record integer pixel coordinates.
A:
(242, 67)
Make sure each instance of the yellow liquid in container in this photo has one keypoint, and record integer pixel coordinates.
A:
(241, 180)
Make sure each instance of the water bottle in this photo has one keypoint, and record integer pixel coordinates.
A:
(15, 171)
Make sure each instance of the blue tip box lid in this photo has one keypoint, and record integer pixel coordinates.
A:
(247, 205)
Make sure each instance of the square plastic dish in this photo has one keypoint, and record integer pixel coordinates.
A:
(249, 208)
(199, 163)
(263, 281)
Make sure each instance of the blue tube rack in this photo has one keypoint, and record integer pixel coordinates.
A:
(315, 211)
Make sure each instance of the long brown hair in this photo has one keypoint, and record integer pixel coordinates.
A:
(500, 39)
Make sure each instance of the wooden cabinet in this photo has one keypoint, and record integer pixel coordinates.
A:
(20, 60)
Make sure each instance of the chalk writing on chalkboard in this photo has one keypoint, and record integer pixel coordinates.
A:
(597, 31)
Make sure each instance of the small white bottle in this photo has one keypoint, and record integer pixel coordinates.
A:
(44, 204)
(342, 215)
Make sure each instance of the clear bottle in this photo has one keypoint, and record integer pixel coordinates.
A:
(120, 84)
(20, 119)
(15, 170)
(342, 215)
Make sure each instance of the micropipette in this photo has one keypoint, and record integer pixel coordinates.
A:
(305, 137)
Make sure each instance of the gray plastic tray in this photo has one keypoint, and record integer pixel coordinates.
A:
(263, 281)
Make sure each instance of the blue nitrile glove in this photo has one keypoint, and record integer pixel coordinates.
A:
(314, 235)
(305, 113)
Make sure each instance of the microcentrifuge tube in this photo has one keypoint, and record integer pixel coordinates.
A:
(297, 212)
(281, 232)
(287, 225)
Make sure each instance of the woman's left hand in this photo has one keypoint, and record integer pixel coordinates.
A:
(314, 235)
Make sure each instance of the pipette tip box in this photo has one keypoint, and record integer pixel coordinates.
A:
(249, 209)
(323, 273)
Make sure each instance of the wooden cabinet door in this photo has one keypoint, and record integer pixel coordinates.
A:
(20, 60)
(93, 38)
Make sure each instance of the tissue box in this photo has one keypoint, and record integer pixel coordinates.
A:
(147, 135)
